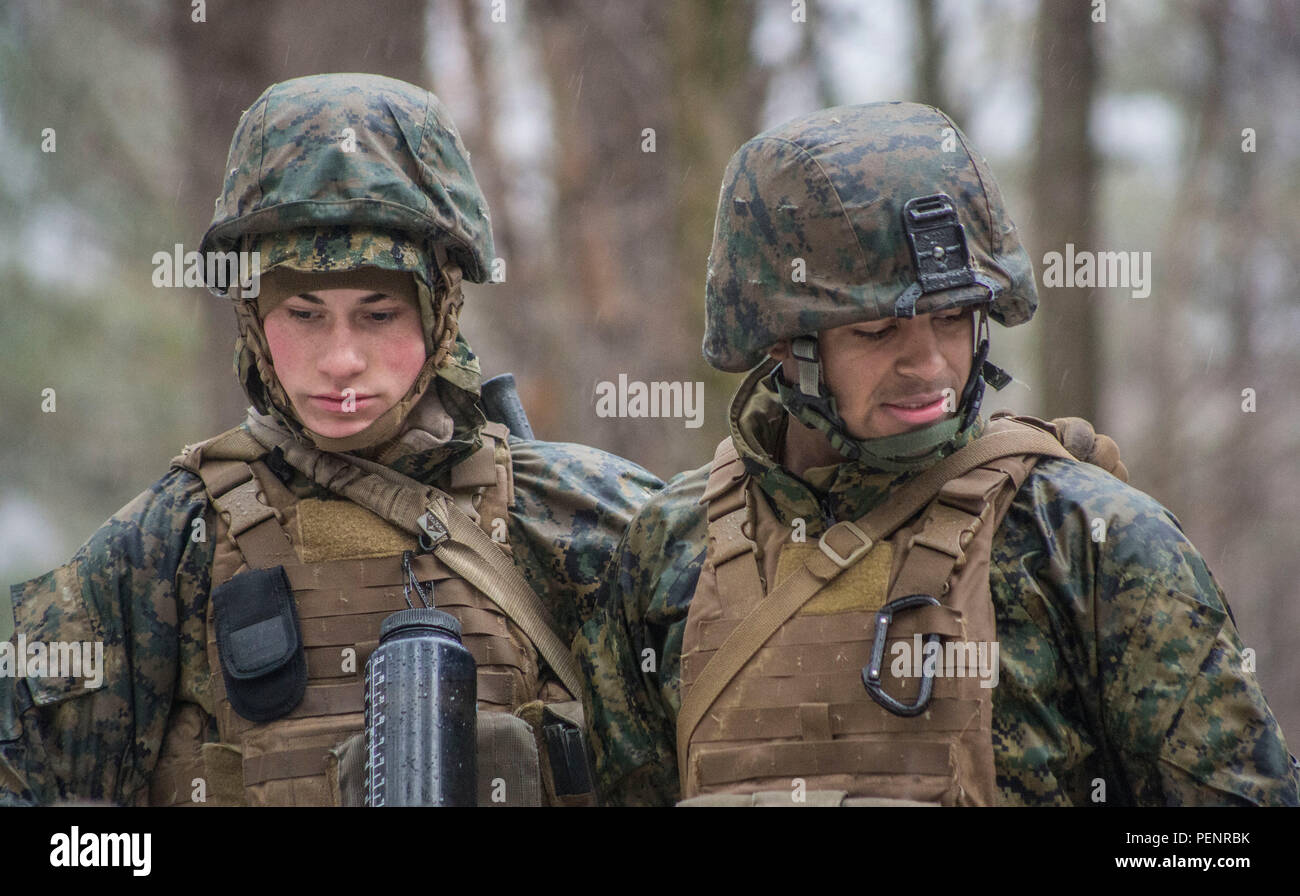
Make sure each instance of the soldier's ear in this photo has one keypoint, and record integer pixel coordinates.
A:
(780, 351)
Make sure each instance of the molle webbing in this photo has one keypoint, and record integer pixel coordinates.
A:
(341, 605)
(341, 602)
(466, 548)
(772, 694)
(239, 499)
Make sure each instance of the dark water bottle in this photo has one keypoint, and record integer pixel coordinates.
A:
(420, 702)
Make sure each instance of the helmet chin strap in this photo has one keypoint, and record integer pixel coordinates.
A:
(982, 371)
(812, 404)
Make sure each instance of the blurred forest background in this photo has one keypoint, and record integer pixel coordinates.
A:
(1169, 128)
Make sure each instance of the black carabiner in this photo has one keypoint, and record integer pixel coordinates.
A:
(871, 671)
(410, 581)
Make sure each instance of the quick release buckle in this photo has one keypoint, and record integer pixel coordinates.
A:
(871, 671)
(937, 241)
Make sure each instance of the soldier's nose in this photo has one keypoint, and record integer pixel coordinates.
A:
(341, 358)
(919, 354)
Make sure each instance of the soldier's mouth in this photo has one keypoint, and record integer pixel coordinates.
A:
(923, 409)
(341, 404)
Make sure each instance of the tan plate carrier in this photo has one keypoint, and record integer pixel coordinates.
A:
(343, 563)
(775, 711)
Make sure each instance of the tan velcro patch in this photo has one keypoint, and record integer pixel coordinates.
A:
(863, 586)
(342, 530)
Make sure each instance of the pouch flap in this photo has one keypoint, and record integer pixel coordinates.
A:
(262, 658)
(257, 623)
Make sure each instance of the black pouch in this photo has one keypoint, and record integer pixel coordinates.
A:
(568, 755)
(262, 659)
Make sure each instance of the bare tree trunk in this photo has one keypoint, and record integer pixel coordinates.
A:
(647, 101)
(931, 47)
(616, 292)
(720, 91)
(481, 139)
(722, 94)
(1065, 189)
(1164, 459)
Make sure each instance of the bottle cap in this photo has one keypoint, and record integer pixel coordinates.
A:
(420, 618)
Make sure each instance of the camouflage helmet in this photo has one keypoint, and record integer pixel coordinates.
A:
(811, 233)
(344, 173)
(359, 150)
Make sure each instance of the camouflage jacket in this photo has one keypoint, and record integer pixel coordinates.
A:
(140, 585)
(1119, 661)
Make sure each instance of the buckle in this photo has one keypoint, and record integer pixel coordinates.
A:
(245, 507)
(871, 671)
(804, 348)
(844, 562)
(995, 376)
(937, 241)
(795, 398)
(434, 530)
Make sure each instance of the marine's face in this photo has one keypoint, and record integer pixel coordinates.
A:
(890, 376)
(344, 356)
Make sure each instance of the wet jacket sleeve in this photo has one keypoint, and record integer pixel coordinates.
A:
(126, 604)
(1143, 629)
(572, 505)
(630, 650)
